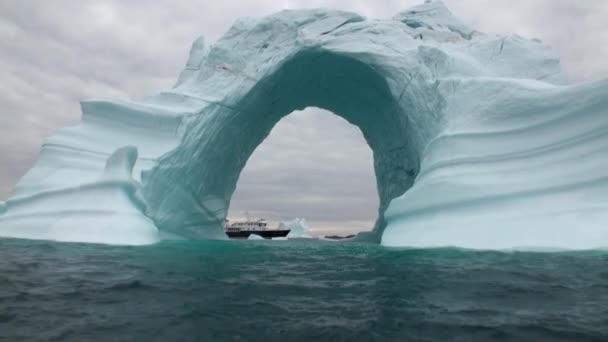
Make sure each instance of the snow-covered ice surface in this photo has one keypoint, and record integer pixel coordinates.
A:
(478, 141)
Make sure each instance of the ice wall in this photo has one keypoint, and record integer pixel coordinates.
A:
(477, 140)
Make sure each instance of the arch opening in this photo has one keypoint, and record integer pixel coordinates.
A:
(313, 166)
(338, 83)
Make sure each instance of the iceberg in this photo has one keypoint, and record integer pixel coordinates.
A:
(255, 237)
(108, 209)
(478, 140)
(299, 229)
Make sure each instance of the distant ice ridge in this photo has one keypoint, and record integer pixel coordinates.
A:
(478, 141)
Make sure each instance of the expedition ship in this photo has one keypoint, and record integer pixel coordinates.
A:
(242, 230)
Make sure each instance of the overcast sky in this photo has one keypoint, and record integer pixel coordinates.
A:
(55, 53)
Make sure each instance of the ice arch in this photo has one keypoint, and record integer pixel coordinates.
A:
(477, 140)
(311, 77)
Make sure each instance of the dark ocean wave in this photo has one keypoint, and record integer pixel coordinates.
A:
(287, 291)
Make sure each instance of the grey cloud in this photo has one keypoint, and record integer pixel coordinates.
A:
(55, 53)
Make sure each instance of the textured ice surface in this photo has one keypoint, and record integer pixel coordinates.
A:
(107, 209)
(299, 228)
(477, 140)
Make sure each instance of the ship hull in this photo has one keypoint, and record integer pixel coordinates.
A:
(266, 234)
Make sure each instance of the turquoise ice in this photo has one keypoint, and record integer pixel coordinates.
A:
(477, 139)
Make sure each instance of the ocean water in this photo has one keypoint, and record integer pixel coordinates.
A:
(297, 291)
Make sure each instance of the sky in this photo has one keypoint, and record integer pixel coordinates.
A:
(55, 53)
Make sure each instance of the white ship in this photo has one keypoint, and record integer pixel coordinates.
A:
(242, 230)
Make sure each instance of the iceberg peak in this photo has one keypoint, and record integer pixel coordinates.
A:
(434, 16)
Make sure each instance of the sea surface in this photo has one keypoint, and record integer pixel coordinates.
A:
(297, 291)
